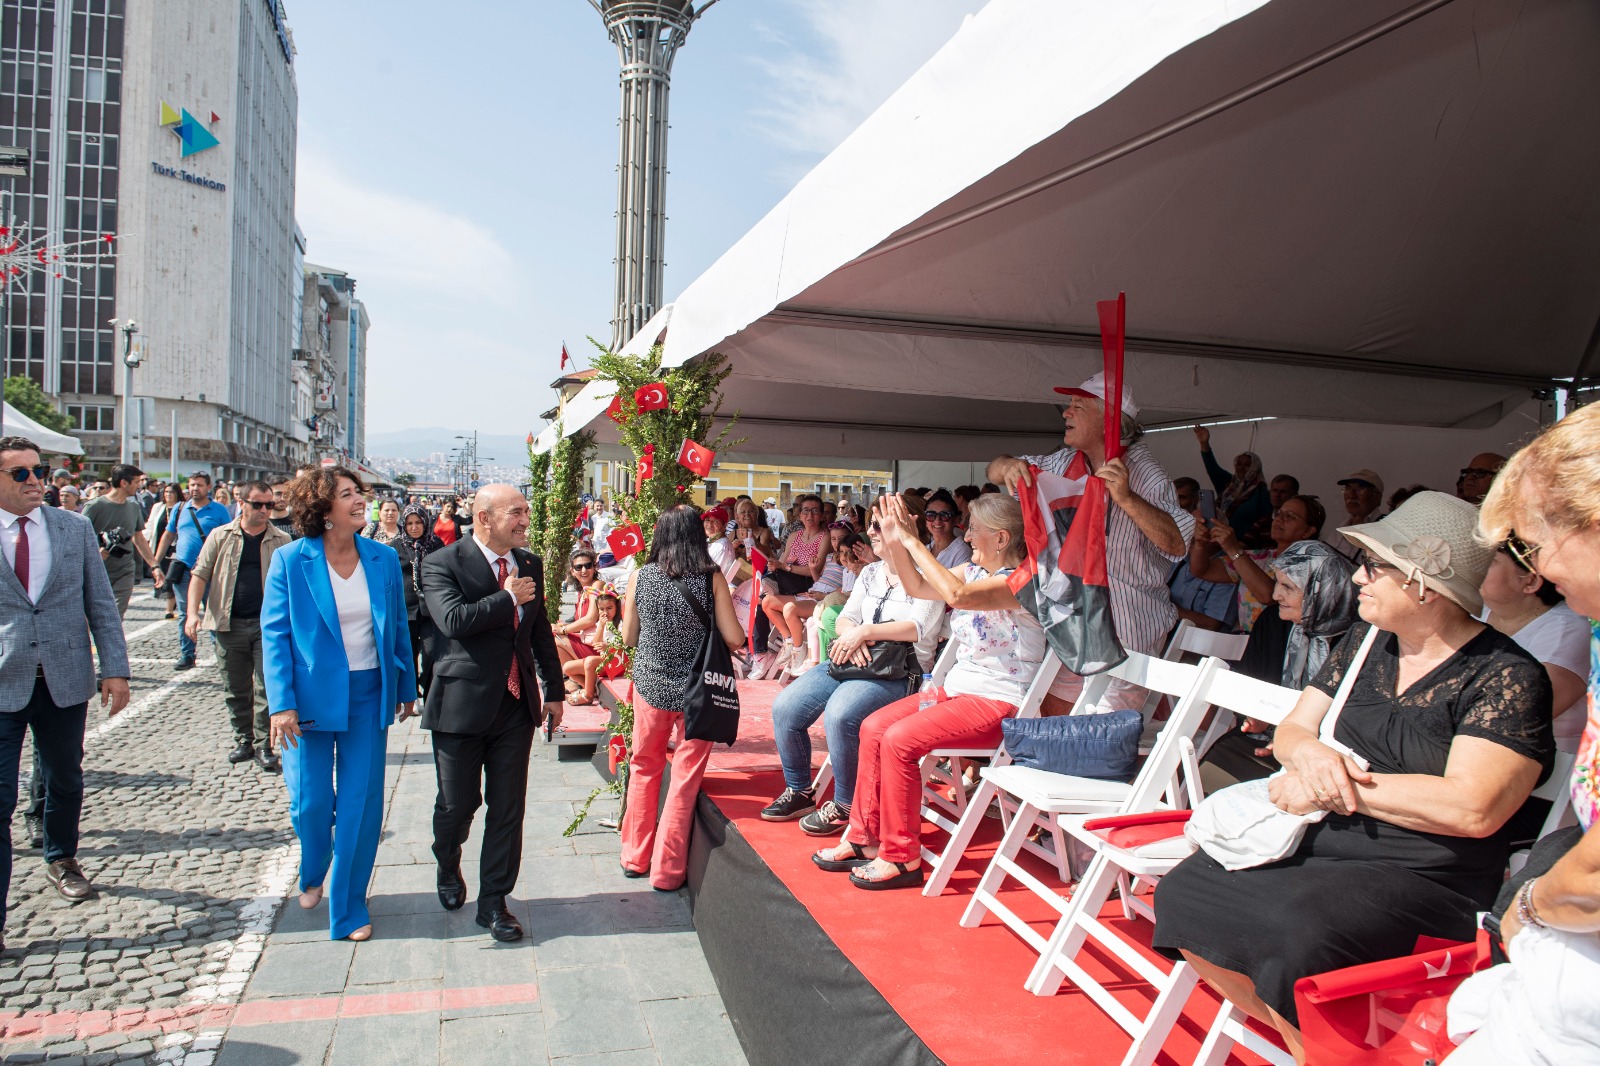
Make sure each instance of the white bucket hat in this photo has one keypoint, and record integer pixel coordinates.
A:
(1431, 537)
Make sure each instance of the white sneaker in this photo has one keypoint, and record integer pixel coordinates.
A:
(761, 665)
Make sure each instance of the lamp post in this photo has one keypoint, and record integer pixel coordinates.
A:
(129, 361)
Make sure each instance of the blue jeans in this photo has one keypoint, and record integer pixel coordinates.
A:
(843, 706)
(180, 589)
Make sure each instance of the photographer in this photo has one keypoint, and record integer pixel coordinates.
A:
(118, 522)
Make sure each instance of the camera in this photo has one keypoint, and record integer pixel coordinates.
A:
(115, 542)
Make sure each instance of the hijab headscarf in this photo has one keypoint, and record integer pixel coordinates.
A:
(1239, 489)
(1327, 610)
(420, 546)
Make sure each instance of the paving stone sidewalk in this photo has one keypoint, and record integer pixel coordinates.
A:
(189, 956)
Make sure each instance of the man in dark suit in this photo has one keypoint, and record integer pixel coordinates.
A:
(485, 594)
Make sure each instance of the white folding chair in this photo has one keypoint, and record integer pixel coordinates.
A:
(1189, 637)
(1557, 789)
(1130, 868)
(1036, 793)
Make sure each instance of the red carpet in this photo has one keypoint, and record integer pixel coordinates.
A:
(960, 990)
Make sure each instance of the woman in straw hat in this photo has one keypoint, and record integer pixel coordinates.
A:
(1453, 719)
(1542, 1008)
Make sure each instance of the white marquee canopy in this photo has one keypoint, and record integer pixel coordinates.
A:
(1371, 210)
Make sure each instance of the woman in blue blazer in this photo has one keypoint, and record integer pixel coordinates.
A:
(336, 651)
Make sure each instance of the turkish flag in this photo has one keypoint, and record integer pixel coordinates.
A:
(625, 541)
(758, 567)
(651, 397)
(696, 457)
(614, 412)
(565, 359)
(647, 466)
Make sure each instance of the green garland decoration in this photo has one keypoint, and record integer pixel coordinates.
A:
(538, 496)
(571, 457)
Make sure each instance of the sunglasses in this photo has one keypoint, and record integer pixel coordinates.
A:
(1526, 555)
(938, 516)
(1372, 568)
(583, 566)
(1478, 473)
(875, 529)
(258, 505)
(21, 474)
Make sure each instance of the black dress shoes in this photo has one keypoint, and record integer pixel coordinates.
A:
(35, 826)
(453, 889)
(269, 762)
(243, 753)
(501, 923)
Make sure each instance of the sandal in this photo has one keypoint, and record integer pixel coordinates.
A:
(838, 866)
(579, 700)
(906, 878)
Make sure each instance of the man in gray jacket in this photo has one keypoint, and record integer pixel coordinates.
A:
(54, 593)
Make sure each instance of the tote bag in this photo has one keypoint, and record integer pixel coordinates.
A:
(1240, 826)
(711, 700)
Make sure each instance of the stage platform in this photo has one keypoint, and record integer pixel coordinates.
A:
(812, 969)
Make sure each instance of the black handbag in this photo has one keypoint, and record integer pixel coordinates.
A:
(177, 569)
(1104, 746)
(892, 660)
(711, 699)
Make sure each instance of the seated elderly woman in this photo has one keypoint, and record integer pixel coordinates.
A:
(1454, 720)
(1315, 598)
(999, 649)
(1217, 554)
(879, 609)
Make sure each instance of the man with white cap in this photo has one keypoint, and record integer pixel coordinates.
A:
(1148, 530)
(775, 517)
(1363, 495)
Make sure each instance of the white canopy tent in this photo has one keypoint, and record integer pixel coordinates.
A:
(49, 441)
(1371, 211)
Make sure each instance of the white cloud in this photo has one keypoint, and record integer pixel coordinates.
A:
(861, 52)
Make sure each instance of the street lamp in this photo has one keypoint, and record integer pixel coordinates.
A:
(129, 361)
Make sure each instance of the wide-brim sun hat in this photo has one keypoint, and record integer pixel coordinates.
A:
(1431, 538)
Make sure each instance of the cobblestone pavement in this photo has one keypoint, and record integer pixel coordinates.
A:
(189, 958)
(188, 853)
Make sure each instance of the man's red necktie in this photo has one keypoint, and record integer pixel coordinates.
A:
(513, 681)
(23, 553)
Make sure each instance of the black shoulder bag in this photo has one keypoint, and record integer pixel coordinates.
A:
(177, 569)
(711, 699)
(892, 660)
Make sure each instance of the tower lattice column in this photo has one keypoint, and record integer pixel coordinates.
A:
(648, 34)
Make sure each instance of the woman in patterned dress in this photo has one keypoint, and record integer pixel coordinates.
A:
(1000, 647)
(1541, 1008)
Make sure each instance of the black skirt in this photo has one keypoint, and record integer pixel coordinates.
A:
(1306, 915)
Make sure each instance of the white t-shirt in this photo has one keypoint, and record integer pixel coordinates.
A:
(997, 652)
(354, 603)
(872, 586)
(775, 522)
(1560, 637)
(721, 551)
(957, 555)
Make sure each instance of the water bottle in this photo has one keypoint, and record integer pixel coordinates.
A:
(927, 697)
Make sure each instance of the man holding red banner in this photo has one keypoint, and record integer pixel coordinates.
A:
(1148, 530)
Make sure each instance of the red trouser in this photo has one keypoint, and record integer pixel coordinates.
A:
(662, 849)
(888, 805)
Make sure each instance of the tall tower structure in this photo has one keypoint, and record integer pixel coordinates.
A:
(648, 34)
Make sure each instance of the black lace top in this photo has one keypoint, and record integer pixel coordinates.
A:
(1491, 688)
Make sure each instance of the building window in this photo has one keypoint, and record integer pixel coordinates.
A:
(93, 418)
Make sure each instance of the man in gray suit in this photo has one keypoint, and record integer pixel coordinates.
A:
(54, 593)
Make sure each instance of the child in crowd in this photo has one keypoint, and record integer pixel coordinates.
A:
(598, 642)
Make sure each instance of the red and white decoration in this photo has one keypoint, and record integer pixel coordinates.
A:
(651, 397)
(625, 541)
(696, 457)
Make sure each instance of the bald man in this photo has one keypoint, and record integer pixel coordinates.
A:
(485, 594)
(1477, 476)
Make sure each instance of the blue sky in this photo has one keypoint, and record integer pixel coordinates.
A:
(460, 161)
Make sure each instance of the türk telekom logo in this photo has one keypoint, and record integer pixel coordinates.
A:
(188, 129)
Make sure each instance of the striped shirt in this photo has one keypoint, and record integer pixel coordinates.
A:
(1141, 605)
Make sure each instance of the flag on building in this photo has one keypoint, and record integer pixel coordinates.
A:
(696, 457)
(565, 359)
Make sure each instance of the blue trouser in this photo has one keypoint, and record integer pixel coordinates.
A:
(58, 748)
(336, 803)
(180, 589)
(843, 706)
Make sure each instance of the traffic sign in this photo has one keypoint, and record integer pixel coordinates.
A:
(474, 484)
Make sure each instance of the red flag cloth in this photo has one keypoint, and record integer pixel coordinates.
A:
(1063, 582)
(625, 541)
(614, 412)
(647, 466)
(565, 359)
(696, 457)
(1113, 337)
(1386, 1013)
(651, 397)
(758, 564)
(583, 516)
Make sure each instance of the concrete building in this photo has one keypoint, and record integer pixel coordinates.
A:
(172, 122)
(334, 353)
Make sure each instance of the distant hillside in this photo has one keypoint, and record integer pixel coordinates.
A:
(420, 443)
